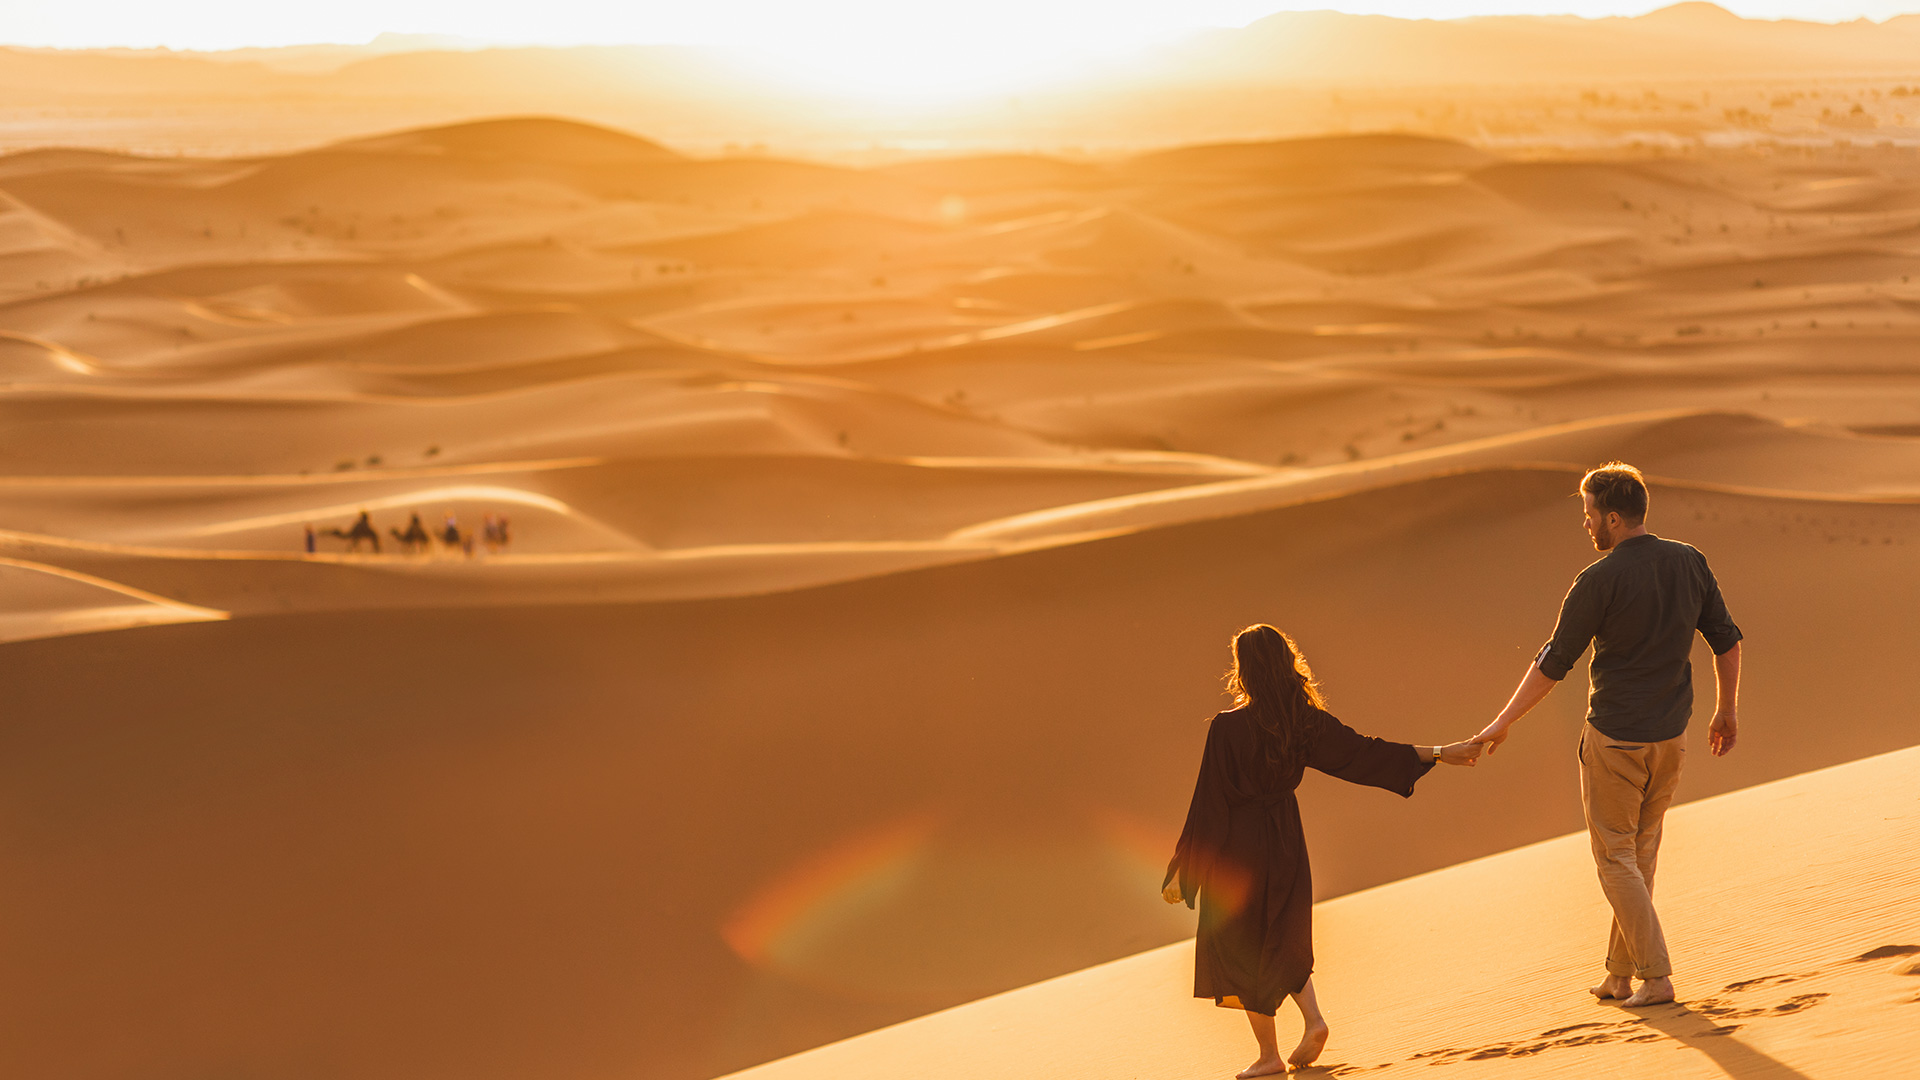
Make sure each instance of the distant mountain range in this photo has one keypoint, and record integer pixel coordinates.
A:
(1685, 41)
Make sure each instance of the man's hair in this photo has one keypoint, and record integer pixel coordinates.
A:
(1618, 487)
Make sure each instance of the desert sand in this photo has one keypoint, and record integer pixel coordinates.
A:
(1792, 907)
(876, 535)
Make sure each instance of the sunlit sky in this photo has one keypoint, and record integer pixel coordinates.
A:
(955, 44)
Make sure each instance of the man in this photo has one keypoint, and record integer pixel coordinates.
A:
(1639, 606)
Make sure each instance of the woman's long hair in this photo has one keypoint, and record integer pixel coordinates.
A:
(1271, 678)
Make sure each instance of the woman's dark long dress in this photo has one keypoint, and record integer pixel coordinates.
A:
(1243, 855)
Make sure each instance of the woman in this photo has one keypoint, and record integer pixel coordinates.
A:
(1242, 854)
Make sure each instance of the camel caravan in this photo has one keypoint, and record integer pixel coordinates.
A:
(493, 536)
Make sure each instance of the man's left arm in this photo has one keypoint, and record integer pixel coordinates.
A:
(1723, 637)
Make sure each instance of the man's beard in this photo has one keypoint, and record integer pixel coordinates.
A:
(1603, 538)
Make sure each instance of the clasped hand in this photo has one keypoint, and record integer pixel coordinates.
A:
(1492, 735)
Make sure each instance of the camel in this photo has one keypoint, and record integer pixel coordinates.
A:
(362, 530)
(415, 538)
(495, 531)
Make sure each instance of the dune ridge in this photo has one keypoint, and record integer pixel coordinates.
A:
(50, 601)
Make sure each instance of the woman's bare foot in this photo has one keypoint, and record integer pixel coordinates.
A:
(1266, 1066)
(1268, 1063)
(1312, 1041)
(1652, 992)
(1613, 986)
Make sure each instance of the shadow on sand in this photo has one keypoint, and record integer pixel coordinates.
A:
(1735, 1058)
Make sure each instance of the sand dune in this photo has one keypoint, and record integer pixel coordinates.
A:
(1789, 927)
(874, 538)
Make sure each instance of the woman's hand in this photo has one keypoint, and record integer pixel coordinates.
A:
(1171, 894)
(1493, 734)
(1462, 753)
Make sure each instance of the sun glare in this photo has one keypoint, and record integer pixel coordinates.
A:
(883, 50)
(931, 73)
(918, 53)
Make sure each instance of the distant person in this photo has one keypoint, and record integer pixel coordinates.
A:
(490, 532)
(1639, 606)
(1242, 853)
(362, 530)
(415, 538)
(312, 540)
(450, 531)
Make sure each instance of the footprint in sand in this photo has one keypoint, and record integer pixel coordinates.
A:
(1904, 967)
(1887, 951)
(1766, 980)
(1718, 1010)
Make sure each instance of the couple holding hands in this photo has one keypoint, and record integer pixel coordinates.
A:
(1242, 854)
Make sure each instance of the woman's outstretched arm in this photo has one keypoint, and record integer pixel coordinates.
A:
(1345, 754)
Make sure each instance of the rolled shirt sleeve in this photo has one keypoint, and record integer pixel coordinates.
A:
(1579, 622)
(1715, 624)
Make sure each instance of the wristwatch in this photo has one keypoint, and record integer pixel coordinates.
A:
(1436, 755)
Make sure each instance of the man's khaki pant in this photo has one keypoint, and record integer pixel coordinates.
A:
(1626, 788)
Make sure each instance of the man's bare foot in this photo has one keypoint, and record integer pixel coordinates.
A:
(1266, 1066)
(1312, 1041)
(1613, 986)
(1652, 992)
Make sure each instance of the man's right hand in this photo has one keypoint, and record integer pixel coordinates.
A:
(1492, 735)
(1534, 686)
(1721, 734)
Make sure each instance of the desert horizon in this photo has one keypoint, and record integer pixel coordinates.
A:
(597, 561)
(1685, 77)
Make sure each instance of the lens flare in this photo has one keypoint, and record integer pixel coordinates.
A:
(943, 906)
(775, 927)
(1148, 843)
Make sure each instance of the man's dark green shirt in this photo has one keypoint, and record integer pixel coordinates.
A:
(1639, 606)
